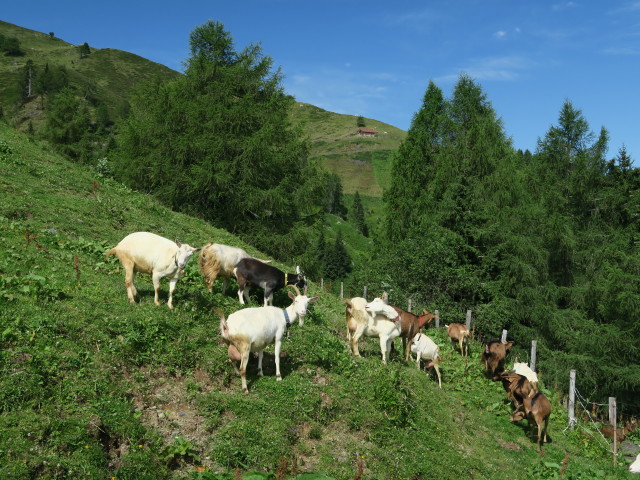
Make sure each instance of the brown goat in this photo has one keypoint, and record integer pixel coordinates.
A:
(459, 333)
(410, 326)
(493, 356)
(536, 408)
(621, 433)
(517, 387)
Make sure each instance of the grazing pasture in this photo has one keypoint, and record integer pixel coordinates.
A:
(94, 387)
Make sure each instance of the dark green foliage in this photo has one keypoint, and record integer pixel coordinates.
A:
(360, 122)
(10, 46)
(337, 263)
(68, 123)
(333, 200)
(543, 245)
(358, 215)
(84, 50)
(218, 143)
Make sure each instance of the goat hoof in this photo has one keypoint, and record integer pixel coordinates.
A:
(278, 378)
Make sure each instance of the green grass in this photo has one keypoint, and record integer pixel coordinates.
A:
(94, 387)
(363, 164)
(114, 73)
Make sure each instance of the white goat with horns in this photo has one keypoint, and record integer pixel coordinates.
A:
(253, 329)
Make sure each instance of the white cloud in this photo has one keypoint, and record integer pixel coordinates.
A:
(558, 7)
(504, 69)
(500, 34)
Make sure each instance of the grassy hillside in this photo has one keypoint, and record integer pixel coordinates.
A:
(113, 73)
(93, 387)
(362, 163)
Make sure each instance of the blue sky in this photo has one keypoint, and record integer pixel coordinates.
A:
(376, 58)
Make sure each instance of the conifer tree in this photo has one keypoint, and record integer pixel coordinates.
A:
(218, 142)
(358, 215)
(338, 261)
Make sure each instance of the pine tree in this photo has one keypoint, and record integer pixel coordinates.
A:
(358, 215)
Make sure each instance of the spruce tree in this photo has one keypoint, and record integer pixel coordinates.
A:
(338, 261)
(358, 215)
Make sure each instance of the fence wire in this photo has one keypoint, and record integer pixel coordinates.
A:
(583, 402)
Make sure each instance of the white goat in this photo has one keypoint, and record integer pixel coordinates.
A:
(218, 259)
(253, 329)
(373, 319)
(524, 370)
(635, 466)
(426, 349)
(144, 252)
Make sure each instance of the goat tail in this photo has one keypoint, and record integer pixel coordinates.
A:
(262, 260)
(110, 252)
(224, 328)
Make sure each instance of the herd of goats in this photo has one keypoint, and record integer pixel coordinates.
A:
(253, 329)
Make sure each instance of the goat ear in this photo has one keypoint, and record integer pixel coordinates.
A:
(292, 295)
(178, 243)
(313, 299)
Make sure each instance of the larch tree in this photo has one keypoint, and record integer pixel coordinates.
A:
(218, 143)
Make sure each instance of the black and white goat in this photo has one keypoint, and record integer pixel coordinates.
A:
(252, 272)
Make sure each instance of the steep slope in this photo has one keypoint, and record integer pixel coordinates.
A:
(362, 163)
(110, 74)
(93, 387)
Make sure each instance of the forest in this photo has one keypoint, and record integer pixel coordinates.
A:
(543, 243)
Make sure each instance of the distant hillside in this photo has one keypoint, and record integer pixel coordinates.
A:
(112, 74)
(362, 163)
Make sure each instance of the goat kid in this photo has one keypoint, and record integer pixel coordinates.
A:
(144, 252)
(536, 408)
(458, 333)
(426, 349)
(253, 329)
(252, 272)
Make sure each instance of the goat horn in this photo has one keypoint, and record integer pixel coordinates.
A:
(296, 289)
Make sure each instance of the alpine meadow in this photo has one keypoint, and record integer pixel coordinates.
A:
(447, 217)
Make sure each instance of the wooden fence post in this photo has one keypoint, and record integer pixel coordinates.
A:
(504, 336)
(322, 284)
(532, 362)
(572, 398)
(613, 420)
(437, 312)
(341, 290)
(409, 306)
(468, 322)
(365, 292)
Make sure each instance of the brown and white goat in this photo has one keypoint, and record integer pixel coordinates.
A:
(144, 252)
(458, 333)
(493, 356)
(536, 408)
(217, 259)
(410, 326)
(524, 369)
(371, 319)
